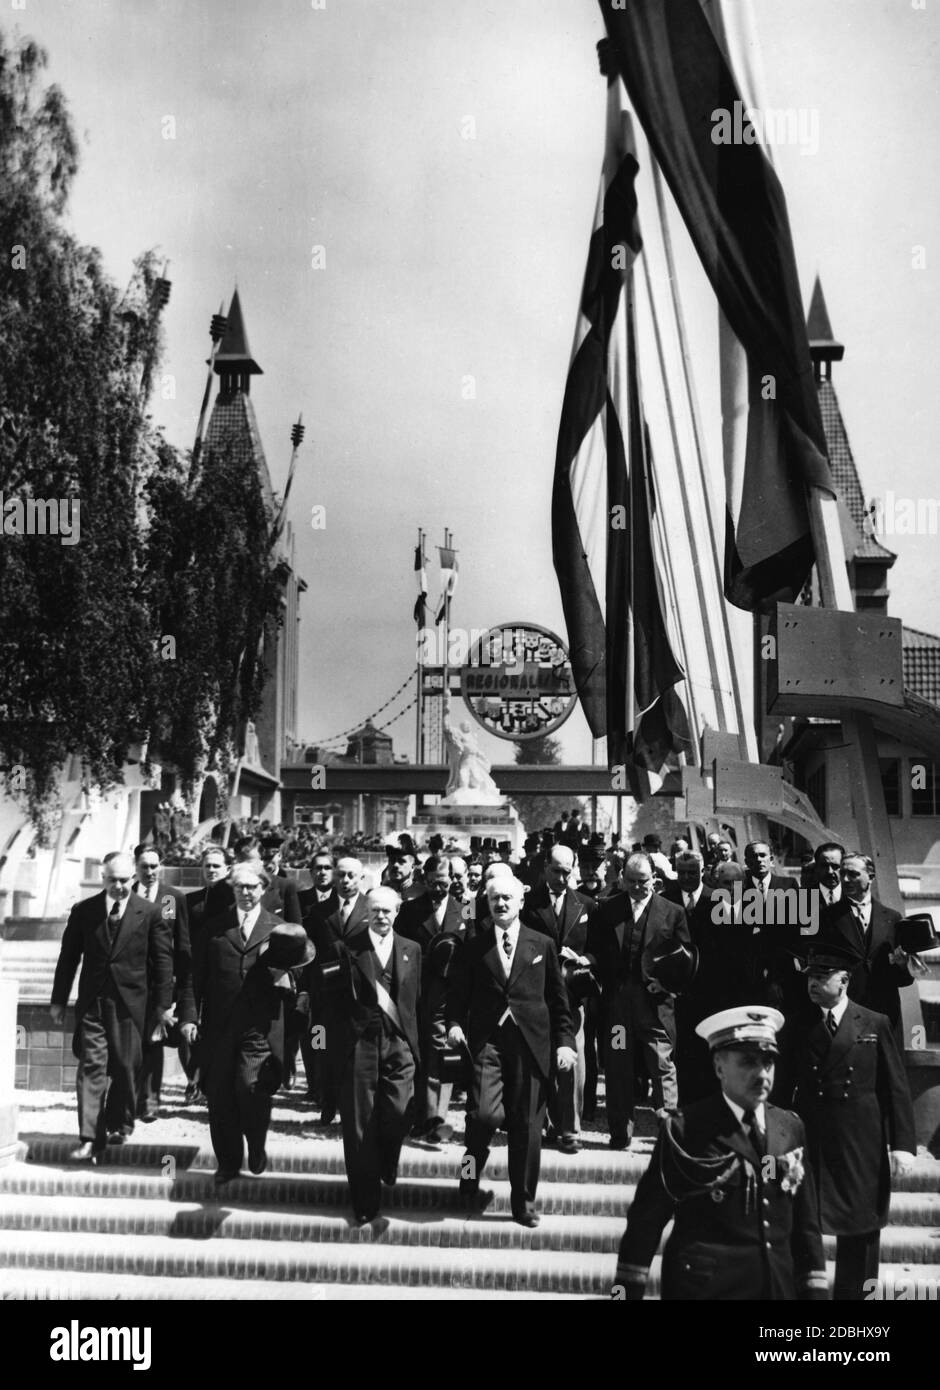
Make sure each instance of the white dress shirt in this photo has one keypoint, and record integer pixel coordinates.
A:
(247, 920)
(513, 933)
(120, 904)
(382, 946)
(690, 900)
(837, 1010)
(149, 894)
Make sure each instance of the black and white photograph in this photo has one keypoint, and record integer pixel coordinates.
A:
(470, 681)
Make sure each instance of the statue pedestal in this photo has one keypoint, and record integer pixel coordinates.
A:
(497, 821)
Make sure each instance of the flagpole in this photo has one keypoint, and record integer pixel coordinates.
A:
(445, 670)
(698, 436)
(217, 329)
(296, 439)
(419, 722)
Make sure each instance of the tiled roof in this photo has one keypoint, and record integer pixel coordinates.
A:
(232, 426)
(921, 654)
(845, 474)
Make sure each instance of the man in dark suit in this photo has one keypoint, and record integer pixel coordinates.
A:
(202, 906)
(728, 1172)
(508, 1004)
(327, 932)
(280, 895)
(865, 923)
(630, 938)
(563, 914)
(319, 900)
(827, 865)
(852, 1095)
(126, 952)
(321, 894)
(713, 987)
(776, 943)
(226, 950)
(174, 910)
(434, 922)
(375, 1009)
(531, 869)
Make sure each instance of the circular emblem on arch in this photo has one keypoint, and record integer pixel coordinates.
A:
(517, 681)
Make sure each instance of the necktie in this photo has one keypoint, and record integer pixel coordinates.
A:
(749, 1121)
(689, 904)
(507, 944)
(831, 1022)
(559, 906)
(245, 932)
(114, 920)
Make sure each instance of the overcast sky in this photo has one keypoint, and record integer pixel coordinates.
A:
(448, 257)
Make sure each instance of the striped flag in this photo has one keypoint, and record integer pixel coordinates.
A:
(421, 575)
(449, 572)
(603, 539)
(685, 94)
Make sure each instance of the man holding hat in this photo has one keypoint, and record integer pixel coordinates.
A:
(853, 1097)
(227, 949)
(729, 1172)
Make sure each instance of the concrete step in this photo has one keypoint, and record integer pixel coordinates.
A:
(71, 1287)
(229, 1219)
(223, 1219)
(367, 1262)
(325, 1155)
(40, 1264)
(323, 1190)
(594, 1164)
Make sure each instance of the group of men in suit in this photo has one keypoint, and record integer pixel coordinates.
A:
(394, 993)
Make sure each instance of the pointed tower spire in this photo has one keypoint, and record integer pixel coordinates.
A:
(233, 361)
(822, 344)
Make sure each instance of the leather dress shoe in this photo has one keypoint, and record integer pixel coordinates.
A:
(365, 1218)
(390, 1176)
(117, 1137)
(619, 1141)
(439, 1133)
(257, 1161)
(527, 1218)
(85, 1153)
(225, 1175)
(473, 1198)
(327, 1117)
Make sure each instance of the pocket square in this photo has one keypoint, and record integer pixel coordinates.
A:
(536, 960)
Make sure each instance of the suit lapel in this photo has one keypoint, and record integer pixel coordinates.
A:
(492, 960)
(845, 1036)
(261, 930)
(527, 951)
(731, 1134)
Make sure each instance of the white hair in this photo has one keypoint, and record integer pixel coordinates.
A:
(511, 882)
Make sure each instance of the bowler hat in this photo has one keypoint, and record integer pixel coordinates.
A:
(917, 933)
(676, 968)
(289, 946)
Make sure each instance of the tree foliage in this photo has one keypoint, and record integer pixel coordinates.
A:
(84, 669)
(535, 811)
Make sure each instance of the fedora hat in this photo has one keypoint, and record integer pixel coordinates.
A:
(288, 946)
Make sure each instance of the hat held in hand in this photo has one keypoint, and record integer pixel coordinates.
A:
(287, 947)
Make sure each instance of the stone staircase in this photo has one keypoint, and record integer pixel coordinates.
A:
(150, 1226)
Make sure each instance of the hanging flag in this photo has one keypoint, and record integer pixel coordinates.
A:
(448, 578)
(421, 602)
(603, 540)
(685, 94)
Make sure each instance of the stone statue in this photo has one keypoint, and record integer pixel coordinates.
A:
(469, 782)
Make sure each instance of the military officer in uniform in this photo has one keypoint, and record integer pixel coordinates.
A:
(729, 1172)
(853, 1097)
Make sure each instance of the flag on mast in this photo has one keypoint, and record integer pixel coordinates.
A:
(603, 538)
(448, 578)
(685, 94)
(421, 574)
